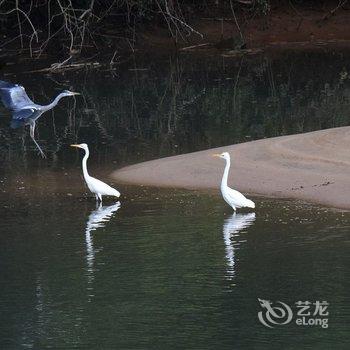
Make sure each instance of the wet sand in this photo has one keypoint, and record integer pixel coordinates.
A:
(313, 167)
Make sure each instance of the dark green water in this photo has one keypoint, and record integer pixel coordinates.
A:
(168, 269)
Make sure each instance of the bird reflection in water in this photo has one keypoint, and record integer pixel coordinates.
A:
(233, 225)
(97, 219)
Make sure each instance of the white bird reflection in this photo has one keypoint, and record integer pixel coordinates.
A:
(233, 225)
(97, 219)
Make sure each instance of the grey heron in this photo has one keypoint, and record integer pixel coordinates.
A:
(24, 110)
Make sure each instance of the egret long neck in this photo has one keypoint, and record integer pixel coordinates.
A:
(84, 162)
(225, 176)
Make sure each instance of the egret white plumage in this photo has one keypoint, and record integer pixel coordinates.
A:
(96, 186)
(232, 197)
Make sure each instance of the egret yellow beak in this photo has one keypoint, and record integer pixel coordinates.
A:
(75, 146)
(76, 93)
(216, 155)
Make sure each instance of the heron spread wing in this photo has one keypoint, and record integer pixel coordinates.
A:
(24, 114)
(14, 96)
(22, 117)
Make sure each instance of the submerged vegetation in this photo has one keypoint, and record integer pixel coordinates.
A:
(163, 107)
(160, 106)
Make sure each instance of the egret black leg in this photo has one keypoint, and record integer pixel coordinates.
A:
(32, 130)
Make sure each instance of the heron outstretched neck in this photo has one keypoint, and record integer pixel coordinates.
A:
(54, 102)
(24, 110)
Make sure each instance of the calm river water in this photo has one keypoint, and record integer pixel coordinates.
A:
(170, 269)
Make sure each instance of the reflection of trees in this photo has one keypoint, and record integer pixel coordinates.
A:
(190, 105)
(158, 108)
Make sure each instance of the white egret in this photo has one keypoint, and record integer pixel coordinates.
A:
(232, 197)
(96, 186)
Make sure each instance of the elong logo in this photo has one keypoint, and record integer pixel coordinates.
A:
(308, 313)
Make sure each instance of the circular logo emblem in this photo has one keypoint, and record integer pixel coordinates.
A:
(274, 315)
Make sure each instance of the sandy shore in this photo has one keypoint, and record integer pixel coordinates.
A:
(313, 167)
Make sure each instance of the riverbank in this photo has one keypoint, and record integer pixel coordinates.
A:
(285, 26)
(313, 167)
(210, 29)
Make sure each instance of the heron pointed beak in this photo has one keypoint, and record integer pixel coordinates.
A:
(76, 93)
(75, 146)
(216, 155)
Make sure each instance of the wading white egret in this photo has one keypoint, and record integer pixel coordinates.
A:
(232, 197)
(96, 186)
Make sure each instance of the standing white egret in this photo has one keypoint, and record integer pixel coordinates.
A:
(96, 186)
(232, 197)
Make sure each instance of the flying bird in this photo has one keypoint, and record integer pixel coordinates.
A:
(96, 186)
(232, 197)
(24, 110)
